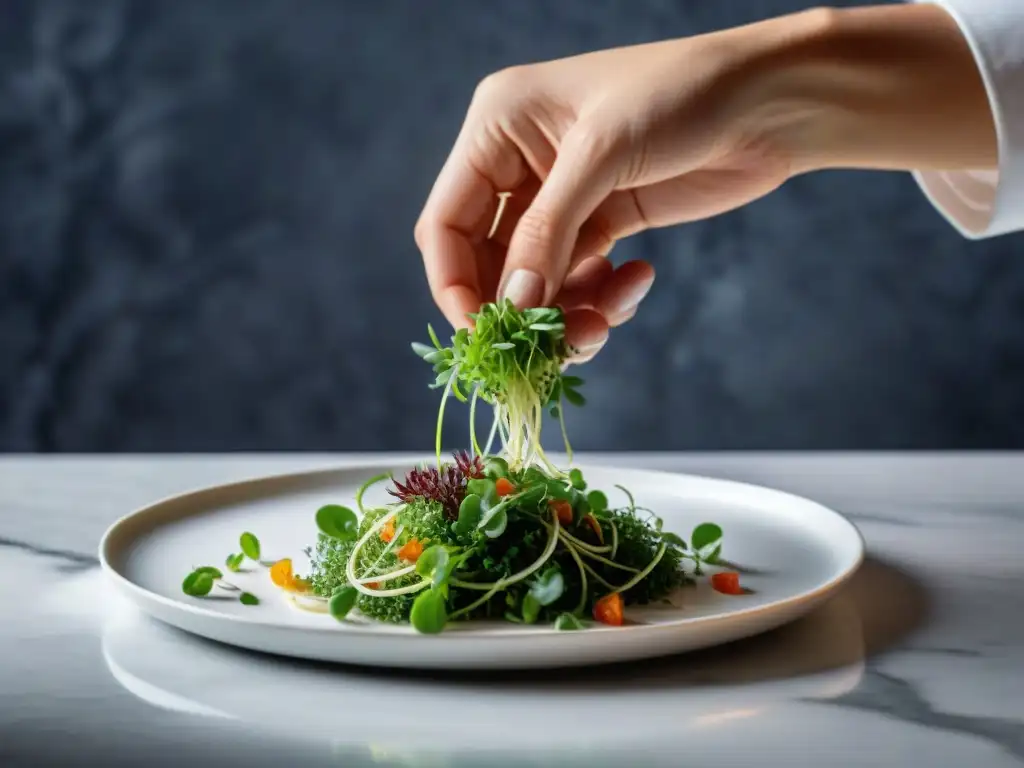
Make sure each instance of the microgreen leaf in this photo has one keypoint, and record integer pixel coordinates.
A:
(548, 587)
(197, 584)
(342, 602)
(574, 397)
(434, 564)
(546, 326)
(470, 513)
(531, 609)
(250, 546)
(213, 572)
(433, 336)
(557, 490)
(494, 524)
(337, 522)
(496, 467)
(442, 378)
(503, 345)
(572, 381)
(598, 501)
(711, 557)
(673, 540)
(485, 488)
(576, 479)
(566, 622)
(705, 534)
(429, 613)
(423, 350)
(248, 598)
(234, 562)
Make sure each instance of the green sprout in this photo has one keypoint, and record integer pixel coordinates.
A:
(512, 360)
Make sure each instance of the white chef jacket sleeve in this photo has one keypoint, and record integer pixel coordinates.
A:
(986, 203)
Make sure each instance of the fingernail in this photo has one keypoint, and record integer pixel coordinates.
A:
(631, 299)
(524, 288)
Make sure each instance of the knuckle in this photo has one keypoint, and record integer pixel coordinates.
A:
(591, 140)
(419, 233)
(502, 85)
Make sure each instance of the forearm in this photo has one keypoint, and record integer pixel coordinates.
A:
(887, 87)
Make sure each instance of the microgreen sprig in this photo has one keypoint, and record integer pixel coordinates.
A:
(201, 581)
(512, 360)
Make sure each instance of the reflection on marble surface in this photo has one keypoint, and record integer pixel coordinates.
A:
(917, 661)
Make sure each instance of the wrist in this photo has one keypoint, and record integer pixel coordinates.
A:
(885, 87)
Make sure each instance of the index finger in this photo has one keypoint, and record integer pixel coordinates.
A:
(453, 227)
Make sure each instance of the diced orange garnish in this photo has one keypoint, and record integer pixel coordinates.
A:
(727, 582)
(503, 486)
(387, 533)
(281, 573)
(608, 610)
(563, 509)
(411, 550)
(373, 585)
(591, 521)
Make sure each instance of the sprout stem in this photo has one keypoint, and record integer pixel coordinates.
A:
(440, 413)
(646, 571)
(472, 422)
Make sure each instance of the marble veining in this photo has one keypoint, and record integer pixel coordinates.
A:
(918, 661)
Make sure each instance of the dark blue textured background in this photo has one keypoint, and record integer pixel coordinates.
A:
(206, 215)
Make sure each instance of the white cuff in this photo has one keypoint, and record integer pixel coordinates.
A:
(980, 203)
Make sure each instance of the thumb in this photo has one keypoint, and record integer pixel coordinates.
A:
(540, 249)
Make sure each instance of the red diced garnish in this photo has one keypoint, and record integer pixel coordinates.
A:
(595, 526)
(411, 550)
(503, 486)
(563, 509)
(608, 610)
(728, 583)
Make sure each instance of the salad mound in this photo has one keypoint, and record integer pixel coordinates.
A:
(477, 539)
(503, 535)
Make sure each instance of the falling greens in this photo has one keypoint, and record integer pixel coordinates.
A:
(500, 536)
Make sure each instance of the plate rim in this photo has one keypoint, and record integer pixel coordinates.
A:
(141, 596)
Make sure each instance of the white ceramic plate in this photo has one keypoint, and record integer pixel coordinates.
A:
(795, 553)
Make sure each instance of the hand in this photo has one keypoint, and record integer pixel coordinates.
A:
(596, 147)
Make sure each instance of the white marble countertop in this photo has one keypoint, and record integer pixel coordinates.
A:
(919, 661)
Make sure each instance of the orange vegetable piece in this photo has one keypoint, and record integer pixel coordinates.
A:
(608, 610)
(563, 509)
(591, 521)
(503, 486)
(387, 532)
(373, 585)
(281, 573)
(411, 550)
(727, 582)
